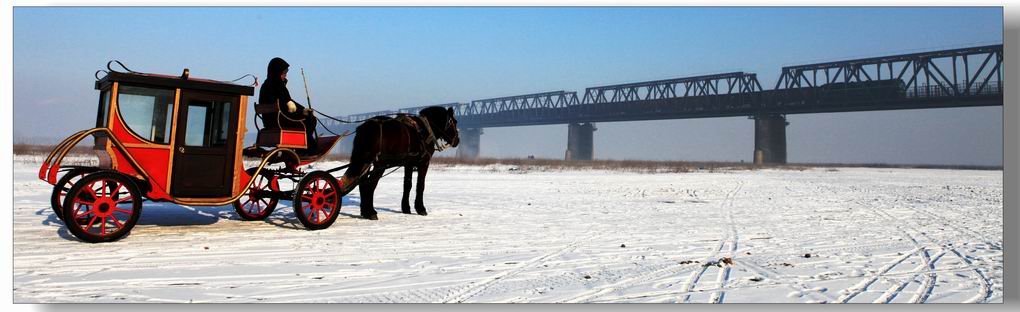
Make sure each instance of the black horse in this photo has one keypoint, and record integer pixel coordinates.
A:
(406, 140)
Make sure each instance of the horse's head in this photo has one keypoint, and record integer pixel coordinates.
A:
(443, 123)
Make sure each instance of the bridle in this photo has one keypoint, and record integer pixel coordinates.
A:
(445, 134)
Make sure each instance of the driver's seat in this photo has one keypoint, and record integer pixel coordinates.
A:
(278, 130)
(281, 131)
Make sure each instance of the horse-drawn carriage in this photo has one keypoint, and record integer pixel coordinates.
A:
(180, 139)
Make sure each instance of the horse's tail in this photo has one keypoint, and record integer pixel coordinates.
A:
(366, 149)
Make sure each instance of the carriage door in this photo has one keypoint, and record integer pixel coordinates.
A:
(204, 151)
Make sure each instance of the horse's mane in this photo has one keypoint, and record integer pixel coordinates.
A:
(435, 114)
(432, 110)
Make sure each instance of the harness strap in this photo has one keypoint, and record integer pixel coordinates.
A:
(431, 139)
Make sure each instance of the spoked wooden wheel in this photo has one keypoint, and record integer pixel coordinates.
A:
(317, 200)
(253, 207)
(102, 207)
(63, 185)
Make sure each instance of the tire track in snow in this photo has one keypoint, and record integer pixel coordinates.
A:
(670, 270)
(476, 288)
(696, 276)
(859, 288)
(985, 283)
(674, 293)
(794, 284)
(953, 226)
(928, 282)
(928, 285)
(985, 291)
(926, 288)
(724, 273)
(625, 283)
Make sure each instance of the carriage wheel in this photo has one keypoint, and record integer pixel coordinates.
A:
(102, 207)
(317, 200)
(251, 207)
(63, 185)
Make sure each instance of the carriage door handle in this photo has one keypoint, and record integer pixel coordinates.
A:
(181, 149)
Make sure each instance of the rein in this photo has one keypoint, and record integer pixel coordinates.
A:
(430, 140)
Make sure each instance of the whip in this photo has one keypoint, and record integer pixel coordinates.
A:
(308, 98)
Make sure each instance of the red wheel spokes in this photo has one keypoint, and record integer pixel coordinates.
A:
(109, 222)
(67, 187)
(119, 225)
(256, 206)
(319, 213)
(83, 212)
(117, 190)
(90, 192)
(91, 221)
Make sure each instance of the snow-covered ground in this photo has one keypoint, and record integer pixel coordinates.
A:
(500, 235)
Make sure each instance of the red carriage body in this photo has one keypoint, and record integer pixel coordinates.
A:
(169, 138)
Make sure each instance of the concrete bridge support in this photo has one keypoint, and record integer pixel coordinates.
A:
(580, 141)
(470, 143)
(770, 139)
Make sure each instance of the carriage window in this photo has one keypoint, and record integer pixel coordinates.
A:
(147, 111)
(104, 109)
(208, 123)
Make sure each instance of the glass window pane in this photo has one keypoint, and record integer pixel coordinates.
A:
(147, 111)
(169, 117)
(208, 123)
(137, 113)
(195, 135)
(223, 124)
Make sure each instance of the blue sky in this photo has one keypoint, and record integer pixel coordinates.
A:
(368, 59)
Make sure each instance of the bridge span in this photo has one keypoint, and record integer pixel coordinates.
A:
(964, 77)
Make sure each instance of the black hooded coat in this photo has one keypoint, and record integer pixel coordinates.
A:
(274, 90)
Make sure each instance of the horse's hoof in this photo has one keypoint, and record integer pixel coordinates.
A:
(423, 213)
(372, 217)
(406, 210)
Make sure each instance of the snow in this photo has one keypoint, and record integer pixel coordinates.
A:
(525, 235)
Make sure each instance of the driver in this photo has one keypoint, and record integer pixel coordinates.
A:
(274, 89)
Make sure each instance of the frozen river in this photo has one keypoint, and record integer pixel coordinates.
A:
(500, 235)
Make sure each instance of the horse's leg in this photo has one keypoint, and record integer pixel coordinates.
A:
(405, 203)
(419, 204)
(367, 188)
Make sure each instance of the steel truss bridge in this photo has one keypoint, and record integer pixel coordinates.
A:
(963, 77)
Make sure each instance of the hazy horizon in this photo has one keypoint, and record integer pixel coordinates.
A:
(370, 59)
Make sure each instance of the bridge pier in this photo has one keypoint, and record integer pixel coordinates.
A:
(470, 143)
(770, 139)
(580, 141)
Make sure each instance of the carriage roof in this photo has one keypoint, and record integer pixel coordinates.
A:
(183, 82)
